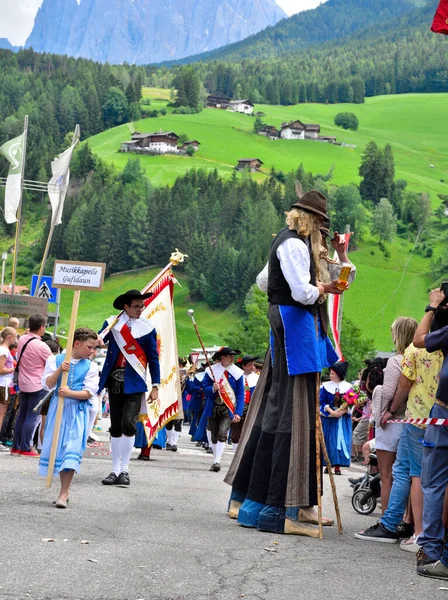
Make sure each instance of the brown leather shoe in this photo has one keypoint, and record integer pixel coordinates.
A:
(296, 528)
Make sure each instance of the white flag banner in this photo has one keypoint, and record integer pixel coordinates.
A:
(58, 184)
(159, 309)
(13, 152)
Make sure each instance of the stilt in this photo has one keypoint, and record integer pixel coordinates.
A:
(318, 458)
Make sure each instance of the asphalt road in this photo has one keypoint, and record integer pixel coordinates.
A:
(167, 537)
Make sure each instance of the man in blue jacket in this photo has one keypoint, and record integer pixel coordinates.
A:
(132, 349)
(217, 407)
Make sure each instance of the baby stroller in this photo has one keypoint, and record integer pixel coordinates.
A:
(366, 489)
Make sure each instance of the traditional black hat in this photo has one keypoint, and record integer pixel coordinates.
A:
(313, 201)
(247, 359)
(340, 368)
(127, 298)
(225, 351)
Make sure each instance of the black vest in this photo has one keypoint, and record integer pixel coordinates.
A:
(279, 291)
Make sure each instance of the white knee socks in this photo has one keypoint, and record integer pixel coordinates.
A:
(209, 437)
(127, 445)
(115, 449)
(175, 438)
(219, 451)
(234, 446)
(121, 450)
(169, 436)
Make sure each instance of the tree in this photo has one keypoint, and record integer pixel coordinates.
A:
(115, 107)
(347, 120)
(371, 173)
(258, 125)
(416, 209)
(251, 332)
(135, 113)
(384, 222)
(190, 150)
(348, 210)
(355, 347)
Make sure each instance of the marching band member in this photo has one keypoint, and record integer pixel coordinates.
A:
(221, 409)
(132, 348)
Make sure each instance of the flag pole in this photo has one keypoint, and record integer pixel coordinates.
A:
(341, 297)
(54, 220)
(19, 208)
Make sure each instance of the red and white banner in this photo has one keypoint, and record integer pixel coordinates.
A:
(440, 22)
(335, 311)
(160, 311)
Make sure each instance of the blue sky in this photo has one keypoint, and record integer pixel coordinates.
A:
(17, 16)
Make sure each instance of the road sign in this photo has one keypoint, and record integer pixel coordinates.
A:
(46, 289)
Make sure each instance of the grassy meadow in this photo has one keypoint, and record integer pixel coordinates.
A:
(410, 123)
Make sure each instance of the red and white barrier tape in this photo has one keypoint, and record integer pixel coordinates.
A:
(428, 421)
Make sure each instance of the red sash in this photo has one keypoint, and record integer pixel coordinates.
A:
(246, 391)
(226, 392)
(132, 346)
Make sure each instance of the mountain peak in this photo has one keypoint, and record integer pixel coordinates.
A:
(146, 31)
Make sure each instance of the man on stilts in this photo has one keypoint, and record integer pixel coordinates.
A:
(274, 472)
(132, 348)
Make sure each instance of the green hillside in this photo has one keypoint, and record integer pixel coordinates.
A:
(410, 123)
(95, 307)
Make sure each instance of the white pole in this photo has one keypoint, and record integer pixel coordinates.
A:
(58, 302)
(4, 257)
(19, 209)
(75, 139)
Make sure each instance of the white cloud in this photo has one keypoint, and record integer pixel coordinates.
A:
(294, 6)
(17, 19)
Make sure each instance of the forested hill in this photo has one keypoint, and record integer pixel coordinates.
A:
(400, 56)
(333, 20)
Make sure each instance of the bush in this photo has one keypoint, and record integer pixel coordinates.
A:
(190, 150)
(146, 102)
(347, 120)
(163, 111)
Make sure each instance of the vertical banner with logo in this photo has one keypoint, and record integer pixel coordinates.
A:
(335, 307)
(159, 309)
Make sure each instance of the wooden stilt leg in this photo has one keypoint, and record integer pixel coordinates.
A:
(332, 482)
(318, 458)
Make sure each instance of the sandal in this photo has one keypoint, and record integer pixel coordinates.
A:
(60, 503)
(410, 545)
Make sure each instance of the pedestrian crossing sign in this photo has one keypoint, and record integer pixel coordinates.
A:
(46, 289)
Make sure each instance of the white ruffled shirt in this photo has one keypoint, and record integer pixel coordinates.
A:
(91, 380)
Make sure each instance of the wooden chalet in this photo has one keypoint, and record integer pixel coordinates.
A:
(252, 164)
(158, 142)
(296, 130)
(270, 131)
(242, 106)
(218, 100)
(194, 143)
